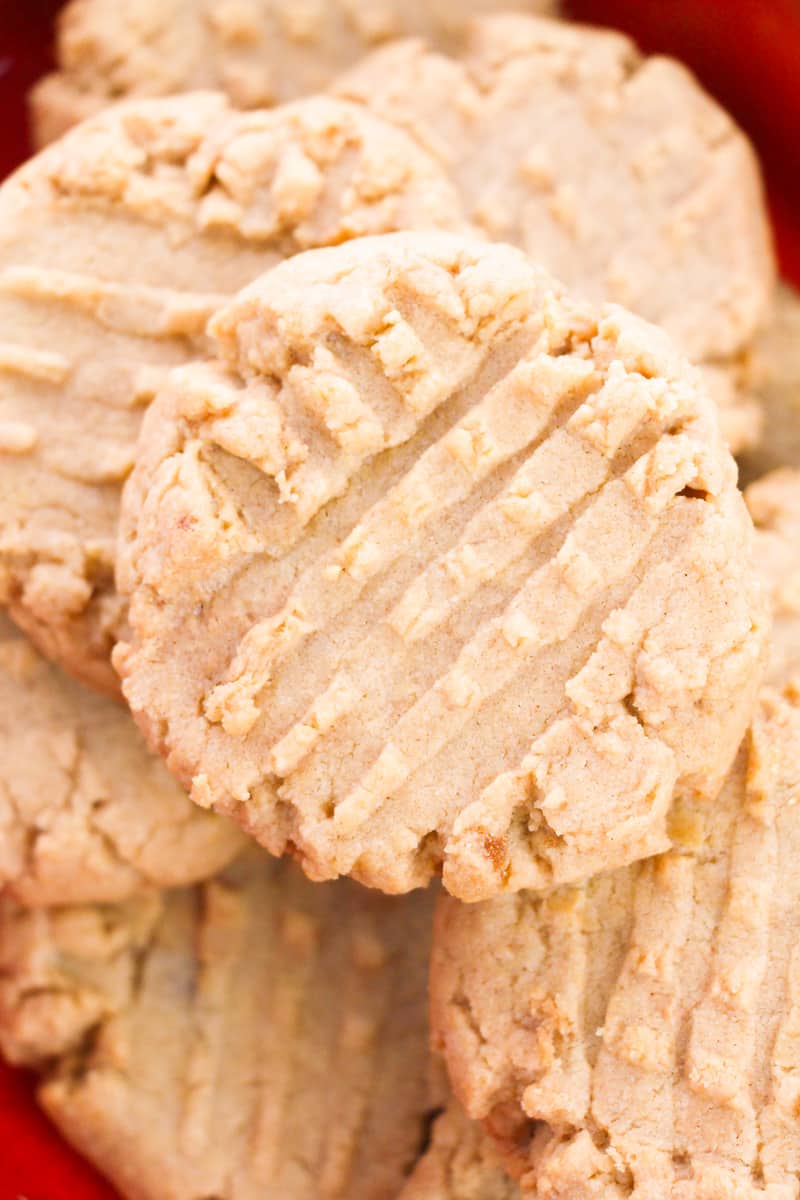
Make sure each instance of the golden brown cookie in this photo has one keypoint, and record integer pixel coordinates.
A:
(86, 813)
(254, 1038)
(434, 569)
(116, 245)
(637, 1036)
(460, 1163)
(258, 51)
(616, 172)
(774, 371)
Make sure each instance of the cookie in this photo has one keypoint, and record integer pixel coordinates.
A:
(738, 403)
(86, 812)
(459, 1164)
(253, 1038)
(638, 1036)
(258, 51)
(617, 173)
(116, 245)
(775, 380)
(433, 569)
(774, 504)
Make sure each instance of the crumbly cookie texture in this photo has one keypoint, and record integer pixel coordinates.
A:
(86, 812)
(434, 569)
(775, 380)
(461, 1163)
(774, 504)
(637, 1037)
(116, 245)
(254, 1038)
(617, 173)
(260, 52)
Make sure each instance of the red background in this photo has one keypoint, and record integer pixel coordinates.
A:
(745, 51)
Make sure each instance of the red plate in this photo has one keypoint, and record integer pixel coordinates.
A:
(745, 51)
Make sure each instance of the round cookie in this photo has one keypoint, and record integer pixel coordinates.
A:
(617, 173)
(116, 245)
(434, 569)
(459, 1164)
(86, 812)
(260, 52)
(774, 504)
(775, 379)
(257, 1037)
(637, 1037)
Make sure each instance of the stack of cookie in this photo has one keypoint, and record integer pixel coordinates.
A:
(368, 501)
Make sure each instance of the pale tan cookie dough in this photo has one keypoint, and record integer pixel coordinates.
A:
(459, 1164)
(435, 570)
(774, 504)
(617, 173)
(258, 51)
(86, 812)
(775, 380)
(254, 1038)
(116, 245)
(637, 1037)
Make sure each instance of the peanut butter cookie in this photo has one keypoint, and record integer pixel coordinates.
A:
(256, 1037)
(774, 370)
(86, 813)
(258, 51)
(460, 1163)
(774, 504)
(436, 570)
(116, 245)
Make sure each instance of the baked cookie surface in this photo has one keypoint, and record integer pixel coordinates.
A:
(775, 381)
(435, 570)
(636, 1037)
(460, 1163)
(116, 245)
(255, 1037)
(86, 812)
(616, 173)
(260, 52)
(774, 504)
